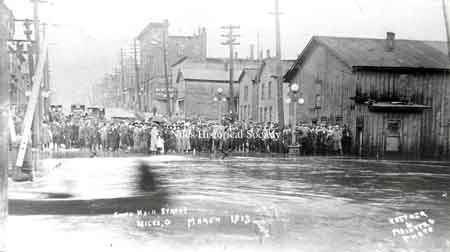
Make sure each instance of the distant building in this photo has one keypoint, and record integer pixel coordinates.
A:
(196, 83)
(393, 94)
(258, 89)
(247, 91)
(152, 57)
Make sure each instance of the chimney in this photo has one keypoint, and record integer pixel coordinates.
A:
(235, 55)
(390, 41)
(268, 53)
(252, 52)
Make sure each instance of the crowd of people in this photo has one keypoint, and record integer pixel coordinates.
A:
(192, 137)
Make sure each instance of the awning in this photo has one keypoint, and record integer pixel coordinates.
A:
(397, 107)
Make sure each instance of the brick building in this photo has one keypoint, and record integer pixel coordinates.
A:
(152, 58)
(393, 94)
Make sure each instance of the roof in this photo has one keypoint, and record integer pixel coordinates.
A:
(153, 25)
(251, 72)
(385, 106)
(285, 64)
(438, 45)
(372, 53)
(213, 75)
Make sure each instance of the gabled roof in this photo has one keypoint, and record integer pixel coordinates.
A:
(251, 72)
(150, 26)
(372, 53)
(210, 75)
(286, 65)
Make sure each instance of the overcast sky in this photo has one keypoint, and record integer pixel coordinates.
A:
(85, 45)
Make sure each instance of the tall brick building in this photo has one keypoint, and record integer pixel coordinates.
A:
(152, 58)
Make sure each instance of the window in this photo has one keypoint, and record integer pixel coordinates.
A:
(318, 101)
(265, 114)
(244, 115)
(246, 93)
(257, 94)
(181, 106)
(393, 136)
(270, 113)
(260, 114)
(263, 86)
(269, 91)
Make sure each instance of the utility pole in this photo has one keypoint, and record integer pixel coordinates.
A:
(38, 112)
(166, 74)
(280, 104)
(231, 42)
(4, 110)
(136, 70)
(122, 80)
(258, 47)
(447, 29)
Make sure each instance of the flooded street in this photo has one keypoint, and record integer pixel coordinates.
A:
(236, 204)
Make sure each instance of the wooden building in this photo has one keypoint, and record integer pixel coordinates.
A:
(196, 83)
(393, 94)
(258, 90)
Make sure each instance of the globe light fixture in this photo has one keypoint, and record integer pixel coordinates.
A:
(301, 101)
(216, 99)
(288, 100)
(295, 87)
(45, 94)
(224, 99)
(220, 90)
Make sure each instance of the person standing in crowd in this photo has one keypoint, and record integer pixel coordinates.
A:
(46, 136)
(154, 139)
(346, 140)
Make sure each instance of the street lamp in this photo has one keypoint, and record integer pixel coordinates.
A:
(219, 98)
(294, 97)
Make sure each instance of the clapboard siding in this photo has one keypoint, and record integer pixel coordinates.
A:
(422, 133)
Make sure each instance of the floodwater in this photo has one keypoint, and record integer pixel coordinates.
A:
(236, 204)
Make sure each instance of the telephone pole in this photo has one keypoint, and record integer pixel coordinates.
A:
(165, 61)
(4, 110)
(136, 69)
(122, 79)
(280, 104)
(231, 38)
(447, 29)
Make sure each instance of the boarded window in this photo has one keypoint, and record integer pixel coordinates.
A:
(393, 136)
